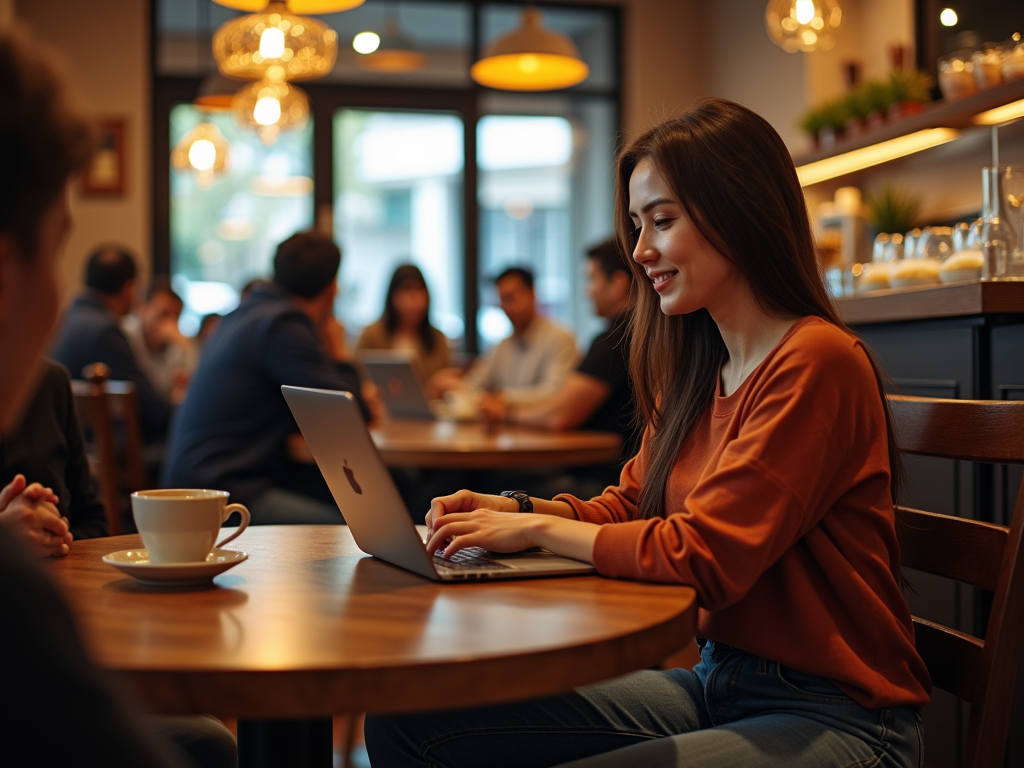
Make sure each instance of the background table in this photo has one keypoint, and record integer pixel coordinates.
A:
(465, 445)
(310, 626)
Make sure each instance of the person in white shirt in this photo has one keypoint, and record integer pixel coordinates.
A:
(533, 363)
(163, 353)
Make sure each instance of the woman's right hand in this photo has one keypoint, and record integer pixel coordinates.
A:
(466, 501)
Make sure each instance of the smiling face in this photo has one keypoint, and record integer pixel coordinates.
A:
(687, 273)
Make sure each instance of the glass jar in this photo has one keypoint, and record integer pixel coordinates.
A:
(1013, 59)
(987, 64)
(956, 76)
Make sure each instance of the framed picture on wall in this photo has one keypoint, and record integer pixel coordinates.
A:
(105, 175)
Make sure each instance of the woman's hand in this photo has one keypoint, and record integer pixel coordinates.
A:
(487, 528)
(502, 532)
(466, 501)
(31, 512)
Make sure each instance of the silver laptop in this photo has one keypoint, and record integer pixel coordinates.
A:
(333, 427)
(399, 385)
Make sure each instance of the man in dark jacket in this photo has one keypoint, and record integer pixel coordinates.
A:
(232, 431)
(91, 333)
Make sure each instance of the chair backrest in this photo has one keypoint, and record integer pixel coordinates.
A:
(101, 405)
(984, 555)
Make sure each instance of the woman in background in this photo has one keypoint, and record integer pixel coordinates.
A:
(405, 324)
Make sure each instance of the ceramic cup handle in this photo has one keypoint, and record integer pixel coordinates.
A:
(240, 509)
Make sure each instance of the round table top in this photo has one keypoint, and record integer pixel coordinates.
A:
(309, 625)
(468, 445)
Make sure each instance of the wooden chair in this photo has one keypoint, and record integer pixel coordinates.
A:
(982, 672)
(102, 405)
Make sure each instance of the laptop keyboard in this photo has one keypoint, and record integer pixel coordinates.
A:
(468, 560)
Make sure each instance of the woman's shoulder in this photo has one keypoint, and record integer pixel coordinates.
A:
(822, 349)
(374, 336)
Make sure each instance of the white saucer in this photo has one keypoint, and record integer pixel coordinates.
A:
(135, 562)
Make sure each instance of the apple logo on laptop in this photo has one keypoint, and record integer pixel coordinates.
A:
(395, 387)
(352, 478)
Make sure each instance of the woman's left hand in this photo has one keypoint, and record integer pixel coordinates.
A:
(487, 528)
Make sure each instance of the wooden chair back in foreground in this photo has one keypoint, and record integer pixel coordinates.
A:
(101, 405)
(984, 555)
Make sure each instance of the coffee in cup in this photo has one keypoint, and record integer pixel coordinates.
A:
(181, 525)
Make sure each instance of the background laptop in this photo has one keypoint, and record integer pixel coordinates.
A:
(399, 385)
(381, 525)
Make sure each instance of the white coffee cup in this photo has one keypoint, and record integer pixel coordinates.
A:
(180, 525)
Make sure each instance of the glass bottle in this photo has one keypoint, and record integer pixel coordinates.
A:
(997, 237)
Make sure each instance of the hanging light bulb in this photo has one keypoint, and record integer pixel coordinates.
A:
(203, 151)
(275, 44)
(530, 58)
(366, 42)
(270, 107)
(295, 6)
(803, 25)
(393, 53)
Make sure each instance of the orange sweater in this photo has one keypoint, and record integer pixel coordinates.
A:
(779, 515)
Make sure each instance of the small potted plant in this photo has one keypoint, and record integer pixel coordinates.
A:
(909, 89)
(893, 209)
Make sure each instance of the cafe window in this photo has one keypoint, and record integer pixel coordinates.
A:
(384, 161)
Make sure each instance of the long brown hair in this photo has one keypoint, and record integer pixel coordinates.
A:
(734, 178)
(408, 276)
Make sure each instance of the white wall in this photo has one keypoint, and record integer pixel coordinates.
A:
(106, 45)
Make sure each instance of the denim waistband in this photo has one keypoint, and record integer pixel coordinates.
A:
(719, 650)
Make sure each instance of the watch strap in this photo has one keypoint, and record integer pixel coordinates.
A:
(522, 497)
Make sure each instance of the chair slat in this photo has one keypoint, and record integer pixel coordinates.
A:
(953, 658)
(970, 430)
(968, 551)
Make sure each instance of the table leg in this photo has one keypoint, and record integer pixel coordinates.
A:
(285, 743)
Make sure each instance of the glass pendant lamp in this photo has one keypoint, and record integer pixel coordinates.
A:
(803, 25)
(269, 107)
(275, 44)
(203, 151)
(394, 53)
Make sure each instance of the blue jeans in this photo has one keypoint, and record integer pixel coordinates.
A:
(733, 709)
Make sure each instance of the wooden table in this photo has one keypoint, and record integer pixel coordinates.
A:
(465, 445)
(310, 626)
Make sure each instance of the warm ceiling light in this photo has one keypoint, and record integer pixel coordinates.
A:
(530, 58)
(295, 6)
(215, 93)
(203, 151)
(948, 17)
(270, 107)
(275, 44)
(803, 25)
(1003, 114)
(394, 52)
(883, 152)
(366, 42)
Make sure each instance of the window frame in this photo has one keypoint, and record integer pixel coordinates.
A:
(325, 99)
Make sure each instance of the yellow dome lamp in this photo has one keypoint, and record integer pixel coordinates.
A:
(531, 58)
(269, 107)
(803, 25)
(313, 7)
(391, 52)
(203, 151)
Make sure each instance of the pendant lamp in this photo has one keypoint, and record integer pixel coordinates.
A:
(803, 25)
(295, 6)
(270, 107)
(275, 44)
(216, 93)
(394, 53)
(203, 151)
(531, 58)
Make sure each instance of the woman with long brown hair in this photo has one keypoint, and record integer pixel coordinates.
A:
(765, 481)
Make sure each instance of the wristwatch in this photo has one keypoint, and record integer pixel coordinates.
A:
(525, 505)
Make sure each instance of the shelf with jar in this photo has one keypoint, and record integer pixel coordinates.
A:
(936, 123)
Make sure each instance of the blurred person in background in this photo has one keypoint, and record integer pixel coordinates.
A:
(531, 364)
(59, 709)
(162, 351)
(405, 325)
(234, 431)
(90, 332)
(598, 394)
